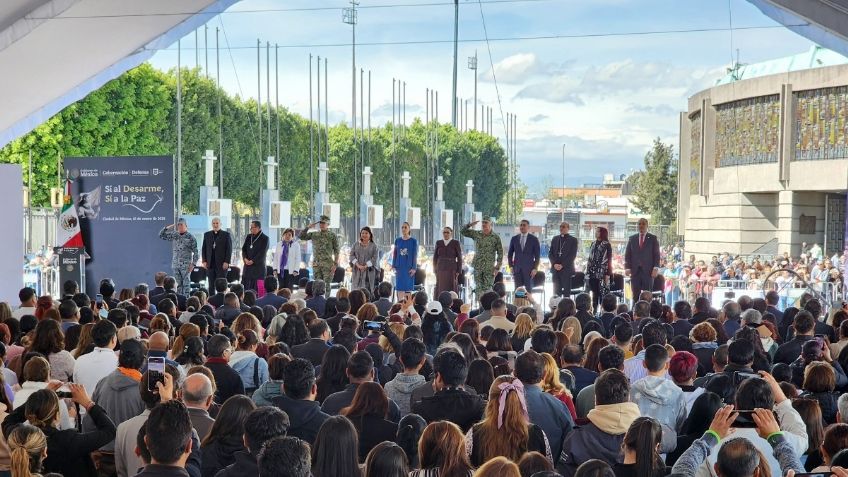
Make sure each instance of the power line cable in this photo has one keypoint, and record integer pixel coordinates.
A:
(238, 82)
(522, 38)
(492, 64)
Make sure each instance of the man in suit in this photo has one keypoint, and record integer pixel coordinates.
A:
(314, 349)
(642, 259)
(562, 253)
(253, 254)
(216, 252)
(158, 291)
(523, 256)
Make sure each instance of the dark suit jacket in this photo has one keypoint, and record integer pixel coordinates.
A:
(312, 351)
(223, 247)
(644, 258)
(562, 252)
(216, 300)
(257, 254)
(527, 259)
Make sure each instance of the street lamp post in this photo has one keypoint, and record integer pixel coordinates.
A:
(562, 199)
(472, 65)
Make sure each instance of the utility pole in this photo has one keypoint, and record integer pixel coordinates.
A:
(179, 133)
(220, 117)
(455, 44)
(206, 47)
(259, 105)
(472, 65)
(349, 16)
(311, 142)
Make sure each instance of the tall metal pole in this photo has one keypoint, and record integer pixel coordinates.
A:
(455, 47)
(362, 118)
(259, 104)
(277, 100)
(179, 132)
(404, 108)
(562, 198)
(268, 89)
(220, 117)
(206, 47)
(369, 117)
(326, 112)
(394, 158)
(320, 131)
(311, 142)
(196, 51)
(475, 89)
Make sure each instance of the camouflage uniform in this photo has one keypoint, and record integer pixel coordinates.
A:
(184, 256)
(488, 253)
(325, 253)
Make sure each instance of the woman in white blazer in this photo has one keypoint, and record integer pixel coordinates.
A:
(287, 259)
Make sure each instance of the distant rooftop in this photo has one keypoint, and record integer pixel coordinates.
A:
(816, 57)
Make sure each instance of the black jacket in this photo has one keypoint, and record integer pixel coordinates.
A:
(245, 465)
(455, 405)
(217, 249)
(305, 417)
(790, 350)
(312, 351)
(219, 454)
(827, 403)
(216, 300)
(255, 248)
(372, 430)
(726, 389)
(227, 380)
(69, 451)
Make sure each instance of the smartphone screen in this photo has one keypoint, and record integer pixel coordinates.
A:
(103, 313)
(155, 372)
(98, 299)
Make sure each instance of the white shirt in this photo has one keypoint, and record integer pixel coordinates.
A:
(23, 310)
(90, 368)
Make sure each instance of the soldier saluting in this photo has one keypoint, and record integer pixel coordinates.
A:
(325, 249)
(488, 255)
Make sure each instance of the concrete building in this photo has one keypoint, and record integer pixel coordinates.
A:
(764, 158)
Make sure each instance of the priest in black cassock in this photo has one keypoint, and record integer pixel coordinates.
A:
(216, 253)
(253, 255)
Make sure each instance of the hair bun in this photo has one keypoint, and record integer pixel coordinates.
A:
(241, 339)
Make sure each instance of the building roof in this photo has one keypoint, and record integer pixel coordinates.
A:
(55, 52)
(816, 57)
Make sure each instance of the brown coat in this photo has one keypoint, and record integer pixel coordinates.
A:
(447, 263)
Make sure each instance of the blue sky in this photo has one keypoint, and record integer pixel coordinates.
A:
(605, 96)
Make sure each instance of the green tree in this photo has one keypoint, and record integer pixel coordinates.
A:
(655, 190)
(136, 114)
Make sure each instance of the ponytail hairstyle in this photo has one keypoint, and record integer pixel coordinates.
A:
(42, 408)
(27, 444)
(505, 426)
(187, 330)
(246, 339)
(643, 437)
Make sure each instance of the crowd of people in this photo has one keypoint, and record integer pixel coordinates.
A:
(295, 382)
(277, 376)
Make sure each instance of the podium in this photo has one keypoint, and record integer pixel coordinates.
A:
(71, 265)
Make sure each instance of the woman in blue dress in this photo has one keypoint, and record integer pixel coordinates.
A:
(404, 262)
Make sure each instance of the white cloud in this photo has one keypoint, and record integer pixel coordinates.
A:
(538, 118)
(513, 69)
(655, 109)
(558, 90)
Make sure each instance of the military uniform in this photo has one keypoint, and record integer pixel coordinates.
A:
(183, 258)
(488, 253)
(325, 252)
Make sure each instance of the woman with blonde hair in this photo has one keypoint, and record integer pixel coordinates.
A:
(187, 330)
(577, 334)
(441, 451)
(247, 321)
(506, 429)
(551, 384)
(523, 327)
(498, 467)
(28, 446)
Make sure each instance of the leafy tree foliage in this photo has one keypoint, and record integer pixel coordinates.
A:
(135, 114)
(656, 187)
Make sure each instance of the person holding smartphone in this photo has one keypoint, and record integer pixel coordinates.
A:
(68, 451)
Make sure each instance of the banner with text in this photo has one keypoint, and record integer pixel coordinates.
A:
(123, 203)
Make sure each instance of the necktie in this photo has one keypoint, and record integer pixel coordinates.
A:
(523, 241)
(641, 240)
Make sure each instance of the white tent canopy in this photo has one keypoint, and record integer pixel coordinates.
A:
(55, 52)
